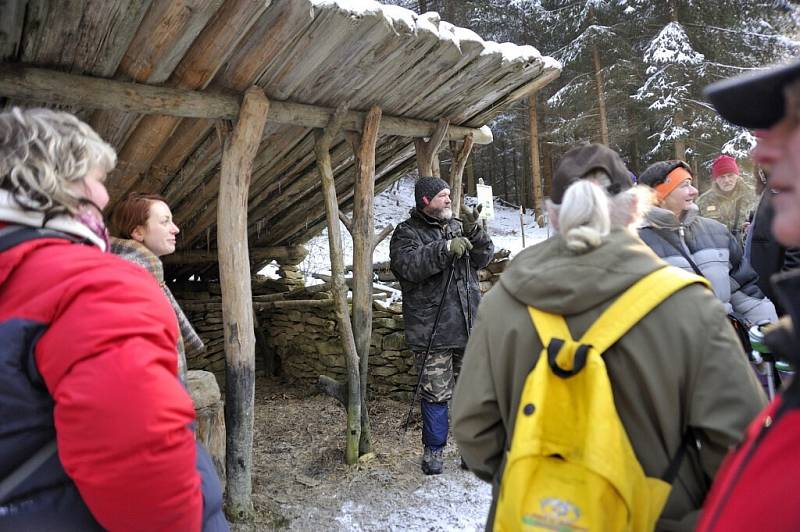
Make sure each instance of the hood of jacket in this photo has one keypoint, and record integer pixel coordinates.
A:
(660, 218)
(552, 278)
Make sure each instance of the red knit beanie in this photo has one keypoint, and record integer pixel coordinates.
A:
(724, 164)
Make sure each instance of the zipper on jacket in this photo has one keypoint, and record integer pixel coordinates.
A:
(767, 424)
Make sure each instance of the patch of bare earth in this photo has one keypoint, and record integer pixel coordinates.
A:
(301, 482)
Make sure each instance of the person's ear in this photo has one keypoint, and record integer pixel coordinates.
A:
(138, 233)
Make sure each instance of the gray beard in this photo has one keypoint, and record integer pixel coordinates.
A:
(443, 214)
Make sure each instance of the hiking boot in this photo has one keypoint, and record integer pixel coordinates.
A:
(432, 461)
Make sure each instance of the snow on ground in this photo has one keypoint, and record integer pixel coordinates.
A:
(454, 501)
(393, 206)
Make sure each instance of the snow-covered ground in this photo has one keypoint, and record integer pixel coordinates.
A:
(393, 206)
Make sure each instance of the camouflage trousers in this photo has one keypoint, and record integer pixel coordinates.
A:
(439, 374)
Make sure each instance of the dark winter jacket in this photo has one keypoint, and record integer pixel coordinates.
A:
(718, 255)
(681, 365)
(767, 256)
(732, 209)
(87, 358)
(756, 488)
(421, 261)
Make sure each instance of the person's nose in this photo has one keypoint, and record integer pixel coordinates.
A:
(766, 152)
(174, 229)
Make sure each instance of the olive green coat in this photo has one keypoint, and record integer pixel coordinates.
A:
(682, 365)
(731, 210)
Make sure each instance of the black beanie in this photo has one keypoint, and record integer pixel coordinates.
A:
(428, 187)
(656, 173)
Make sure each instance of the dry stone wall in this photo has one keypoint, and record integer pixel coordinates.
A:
(306, 338)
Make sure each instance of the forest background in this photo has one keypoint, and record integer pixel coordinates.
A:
(633, 76)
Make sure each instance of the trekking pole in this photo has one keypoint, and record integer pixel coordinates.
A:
(469, 306)
(430, 342)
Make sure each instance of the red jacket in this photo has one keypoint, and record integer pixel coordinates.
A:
(756, 487)
(107, 358)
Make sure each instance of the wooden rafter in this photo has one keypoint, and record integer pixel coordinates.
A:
(37, 84)
(286, 255)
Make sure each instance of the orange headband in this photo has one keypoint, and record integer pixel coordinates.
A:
(674, 178)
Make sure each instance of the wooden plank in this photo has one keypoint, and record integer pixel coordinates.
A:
(322, 144)
(59, 88)
(12, 15)
(81, 36)
(277, 25)
(237, 305)
(162, 38)
(458, 162)
(287, 255)
(197, 68)
(202, 200)
(186, 141)
(362, 234)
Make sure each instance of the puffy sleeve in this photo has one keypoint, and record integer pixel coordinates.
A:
(121, 416)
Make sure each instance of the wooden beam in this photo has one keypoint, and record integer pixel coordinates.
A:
(237, 300)
(457, 164)
(202, 61)
(323, 140)
(287, 255)
(363, 237)
(428, 150)
(58, 88)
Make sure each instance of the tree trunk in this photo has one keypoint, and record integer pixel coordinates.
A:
(601, 99)
(459, 161)
(536, 169)
(323, 140)
(362, 233)
(428, 150)
(471, 189)
(237, 306)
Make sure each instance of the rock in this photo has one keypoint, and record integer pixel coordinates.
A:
(394, 342)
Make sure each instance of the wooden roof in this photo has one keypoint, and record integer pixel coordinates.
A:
(321, 52)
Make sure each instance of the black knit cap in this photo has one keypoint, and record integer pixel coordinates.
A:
(656, 173)
(580, 161)
(428, 187)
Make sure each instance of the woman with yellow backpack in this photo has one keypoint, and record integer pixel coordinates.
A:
(601, 387)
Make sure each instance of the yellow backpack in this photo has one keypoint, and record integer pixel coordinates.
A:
(571, 466)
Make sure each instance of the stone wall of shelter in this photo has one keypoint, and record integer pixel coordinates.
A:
(302, 334)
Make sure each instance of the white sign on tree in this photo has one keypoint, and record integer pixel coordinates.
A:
(485, 199)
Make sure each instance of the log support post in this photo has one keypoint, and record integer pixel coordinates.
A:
(237, 311)
(363, 245)
(459, 161)
(428, 150)
(323, 139)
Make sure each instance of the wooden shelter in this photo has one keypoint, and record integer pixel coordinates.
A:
(217, 105)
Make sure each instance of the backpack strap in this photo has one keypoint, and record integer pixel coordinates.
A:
(629, 308)
(12, 235)
(636, 303)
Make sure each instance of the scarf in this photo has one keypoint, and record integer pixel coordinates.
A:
(137, 253)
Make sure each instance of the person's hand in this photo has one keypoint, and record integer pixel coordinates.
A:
(459, 245)
(469, 217)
